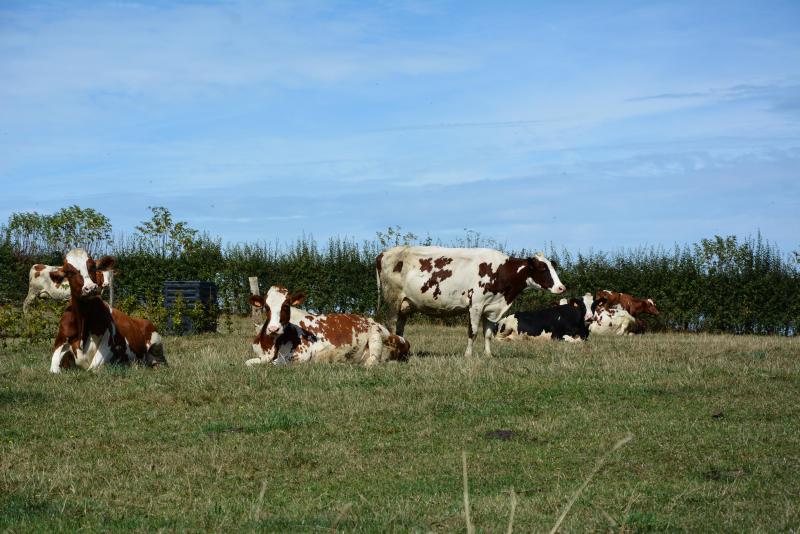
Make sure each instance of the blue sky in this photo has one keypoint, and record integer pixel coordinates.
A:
(589, 124)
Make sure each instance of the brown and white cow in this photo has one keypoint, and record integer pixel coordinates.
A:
(91, 333)
(629, 303)
(290, 335)
(450, 281)
(41, 286)
(612, 319)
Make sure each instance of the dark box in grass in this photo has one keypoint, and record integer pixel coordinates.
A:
(192, 291)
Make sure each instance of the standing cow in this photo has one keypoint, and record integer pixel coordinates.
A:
(449, 281)
(291, 335)
(41, 286)
(91, 333)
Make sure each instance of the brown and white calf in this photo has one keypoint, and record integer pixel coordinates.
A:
(91, 333)
(41, 286)
(290, 335)
(452, 281)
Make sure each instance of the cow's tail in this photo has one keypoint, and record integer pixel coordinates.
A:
(378, 283)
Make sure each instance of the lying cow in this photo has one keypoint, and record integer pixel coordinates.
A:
(612, 320)
(629, 303)
(564, 322)
(91, 333)
(291, 335)
(452, 281)
(41, 286)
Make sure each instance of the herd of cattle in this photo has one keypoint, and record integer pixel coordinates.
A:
(437, 281)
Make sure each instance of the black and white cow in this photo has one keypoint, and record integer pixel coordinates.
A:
(565, 322)
(452, 281)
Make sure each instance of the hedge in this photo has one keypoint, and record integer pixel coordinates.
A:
(716, 285)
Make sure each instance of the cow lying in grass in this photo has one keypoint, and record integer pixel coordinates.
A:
(565, 322)
(290, 335)
(612, 320)
(91, 333)
(615, 313)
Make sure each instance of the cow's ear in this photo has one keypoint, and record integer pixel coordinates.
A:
(297, 299)
(57, 276)
(257, 301)
(536, 263)
(105, 263)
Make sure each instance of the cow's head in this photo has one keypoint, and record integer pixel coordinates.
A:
(599, 306)
(643, 306)
(277, 303)
(82, 273)
(542, 274)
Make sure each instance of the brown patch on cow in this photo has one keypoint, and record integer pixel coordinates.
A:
(442, 262)
(540, 272)
(433, 282)
(426, 264)
(339, 328)
(39, 267)
(379, 261)
(508, 280)
(398, 267)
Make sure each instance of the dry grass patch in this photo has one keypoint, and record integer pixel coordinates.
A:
(209, 444)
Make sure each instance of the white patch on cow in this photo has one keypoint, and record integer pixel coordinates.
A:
(573, 339)
(273, 301)
(507, 326)
(562, 302)
(521, 267)
(588, 300)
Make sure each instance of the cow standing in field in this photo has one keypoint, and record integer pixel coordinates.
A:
(41, 286)
(450, 281)
(290, 335)
(91, 333)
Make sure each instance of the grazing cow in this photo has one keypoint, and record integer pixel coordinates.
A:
(632, 305)
(291, 335)
(40, 285)
(91, 333)
(448, 281)
(612, 320)
(564, 322)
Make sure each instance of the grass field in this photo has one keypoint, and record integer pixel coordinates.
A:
(208, 444)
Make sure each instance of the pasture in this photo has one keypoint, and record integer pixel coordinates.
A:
(208, 444)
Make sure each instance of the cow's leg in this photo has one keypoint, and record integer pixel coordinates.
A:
(487, 337)
(374, 346)
(104, 352)
(402, 316)
(472, 328)
(58, 355)
(29, 298)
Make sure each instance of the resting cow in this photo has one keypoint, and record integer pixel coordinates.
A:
(40, 285)
(564, 322)
(612, 320)
(450, 281)
(629, 303)
(290, 335)
(91, 333)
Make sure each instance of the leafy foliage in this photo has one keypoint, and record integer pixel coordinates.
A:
(721, 284)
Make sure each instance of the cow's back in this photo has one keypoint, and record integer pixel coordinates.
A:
(436, 279)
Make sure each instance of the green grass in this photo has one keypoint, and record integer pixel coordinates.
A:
(208, 444)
